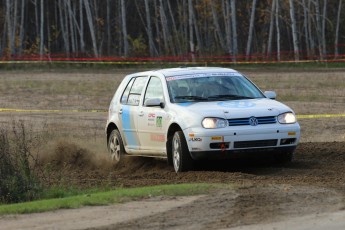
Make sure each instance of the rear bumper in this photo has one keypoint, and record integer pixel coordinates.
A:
(230, 154)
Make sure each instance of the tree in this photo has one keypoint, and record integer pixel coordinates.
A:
(277, 29)
(42, 29)
(152, 48)
(294, 31)
(270, 33)
(124, 29)
(251, 30)
(92, 28)
(234, 28)
(191, 33)
(336, 50)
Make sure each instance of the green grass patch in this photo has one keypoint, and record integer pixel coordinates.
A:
(105, 198)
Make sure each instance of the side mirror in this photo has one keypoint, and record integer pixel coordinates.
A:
(151, 102)
(270, 94)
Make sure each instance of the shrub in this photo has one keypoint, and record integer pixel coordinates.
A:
(18, 181)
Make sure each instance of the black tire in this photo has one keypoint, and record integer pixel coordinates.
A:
(115, 146)
(181, 158)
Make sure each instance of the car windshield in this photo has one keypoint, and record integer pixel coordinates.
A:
(211, 87)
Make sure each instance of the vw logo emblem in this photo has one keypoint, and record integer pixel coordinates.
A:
(253, 121)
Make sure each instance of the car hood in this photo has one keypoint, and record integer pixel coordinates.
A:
(236, 108)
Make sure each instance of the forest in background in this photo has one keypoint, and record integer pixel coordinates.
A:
(236, 29)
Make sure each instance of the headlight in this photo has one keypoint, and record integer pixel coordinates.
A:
(214, 123)
(287, 118)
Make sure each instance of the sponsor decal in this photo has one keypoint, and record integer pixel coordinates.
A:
(172, 78)
(151, 119)
(159, 121)
(217, 138)
(196, 149)
(236, 104)
(195, 139)
(157, 137)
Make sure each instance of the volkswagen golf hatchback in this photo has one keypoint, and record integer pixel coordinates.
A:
(187, 114)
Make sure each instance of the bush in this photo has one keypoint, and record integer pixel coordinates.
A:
(18, 181)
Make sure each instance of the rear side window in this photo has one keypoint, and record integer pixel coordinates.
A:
(132, 93)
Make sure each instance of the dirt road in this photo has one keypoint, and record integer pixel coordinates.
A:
(264, 193)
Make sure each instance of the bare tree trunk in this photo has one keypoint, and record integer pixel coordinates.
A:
(294, 31)
(270, 33)
(191, 32)
(42, 30)
(81, 32)
(324, 51)
(36, 18)
(278, 30)
(149, 29)
(227, 24)
(72, 27)
(234, 29)
(10, 27)
(63, 27)
(251, 30)
(217, 27)
(124, 29)
(318, 28)
(22, 28)
(305, 25)
(14, 25)
(164, 26)
(311, 38)
(108, 29)
(91, 26)
(197, 32)
(175, 34)
(336, 50)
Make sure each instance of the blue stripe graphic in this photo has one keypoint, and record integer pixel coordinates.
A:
(128, 127)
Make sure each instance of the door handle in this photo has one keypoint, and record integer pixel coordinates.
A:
(120, 111)
(141, 113)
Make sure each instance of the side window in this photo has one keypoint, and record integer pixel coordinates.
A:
(124, 97)
(154, 89)
(136, 90)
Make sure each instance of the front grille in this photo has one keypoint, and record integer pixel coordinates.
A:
(253, 144)
(245, 121)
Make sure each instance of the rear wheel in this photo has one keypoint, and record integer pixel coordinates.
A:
(115, 146)
(181, 158)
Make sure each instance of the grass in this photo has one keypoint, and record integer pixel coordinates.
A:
(106, 198)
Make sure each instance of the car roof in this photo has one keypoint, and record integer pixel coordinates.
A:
(187, 70)
(193, 70)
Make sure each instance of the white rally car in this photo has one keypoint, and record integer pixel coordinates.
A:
(186, 114)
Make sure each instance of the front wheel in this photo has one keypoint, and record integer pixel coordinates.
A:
(181, 158)
(115, 146)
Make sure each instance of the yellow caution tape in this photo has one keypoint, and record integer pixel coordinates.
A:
(310, 116)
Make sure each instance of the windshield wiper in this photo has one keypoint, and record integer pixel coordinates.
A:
(196, 98)
(229, 96)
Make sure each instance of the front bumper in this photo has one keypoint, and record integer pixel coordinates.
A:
(237, 141)
(231, 154)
